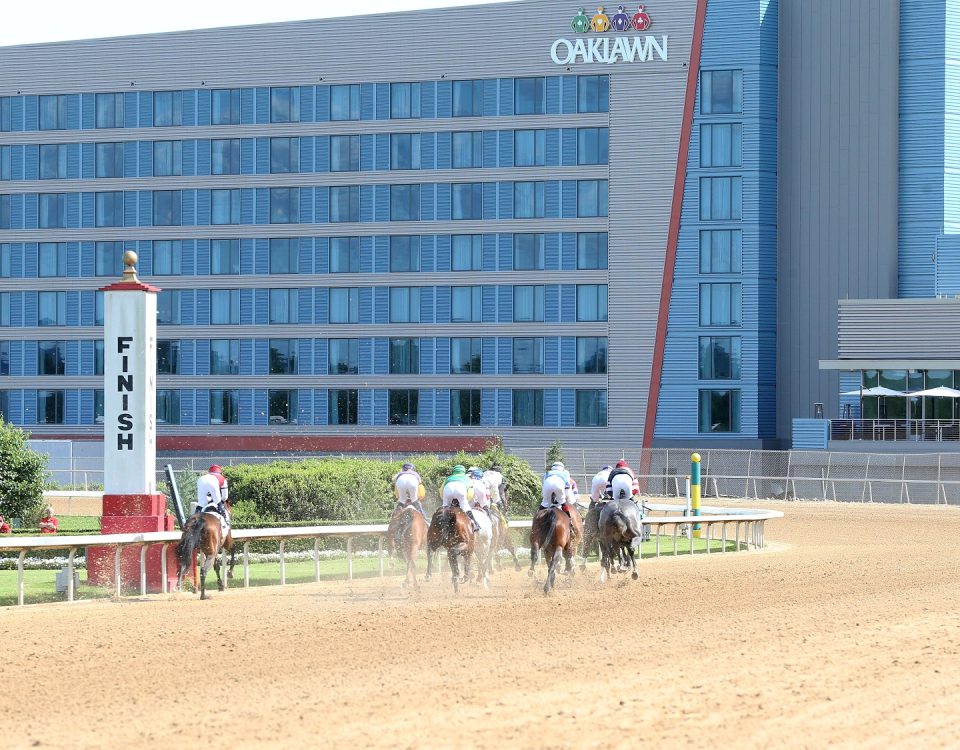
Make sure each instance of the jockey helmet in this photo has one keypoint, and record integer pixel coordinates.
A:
(557, 466)
(459, 469)
(475, 472)
(608, 467)
(495, 467)
(407, 467)
(621, 464)
(215, 469)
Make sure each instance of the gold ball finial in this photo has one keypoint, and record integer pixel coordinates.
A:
(130, 268)
(129, 258)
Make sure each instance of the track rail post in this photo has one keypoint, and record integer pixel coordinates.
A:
(70, 569)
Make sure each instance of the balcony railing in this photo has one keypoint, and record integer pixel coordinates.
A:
(937, 430)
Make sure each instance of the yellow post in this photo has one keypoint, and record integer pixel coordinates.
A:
(695, 492)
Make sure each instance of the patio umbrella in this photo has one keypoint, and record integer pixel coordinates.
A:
(878, 390)
(941, 391)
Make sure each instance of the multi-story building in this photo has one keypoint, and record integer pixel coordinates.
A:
(422, 229)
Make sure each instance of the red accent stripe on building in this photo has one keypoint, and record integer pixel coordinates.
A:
(673, 236)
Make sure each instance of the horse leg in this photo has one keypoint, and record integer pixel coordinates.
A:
(568, 553)
(216, 569)
(454, 568)
(552, 568)
(203, 576)
(233, 560)
(534, 553)
(633, 562)
(429, 574)
(511, 547)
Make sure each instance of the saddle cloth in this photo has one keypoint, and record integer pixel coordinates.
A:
(224, 524)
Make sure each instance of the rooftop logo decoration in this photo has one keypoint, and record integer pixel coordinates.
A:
(607, 50)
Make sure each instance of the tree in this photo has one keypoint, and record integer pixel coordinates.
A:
(23, 473)
(555, 453)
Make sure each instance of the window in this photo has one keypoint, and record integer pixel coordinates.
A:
(345, 153)
(591, 302)
(6, 119)
(224, 407)
(344, 255)
(527, 304)
(404, 253)
(342, 406)
(225, 357)
(168, 406)
(593, 94)
(467, 150)
(466, 252)
(225, 306)
(528, 252)
(719, 411)
(592, 145)
(591, 355)
(284, 256)
(168, 308)
(591, 250)
(5, 253)
(405, 304)
(721, 198)
(225, 107)
(5, 309)
(591, 197)
(529, 148)
(109, 160)
(53, 210)
(720, 304)
(109, 111)
(591, 408)
(225, 156)
(467, 98)
(49, 407)
(345, 305)
(109, 209)
(284, 205)
(167, 158)
(4, 212)
(285, 104)
(53, 162)
(225, 206)
(720, 251)
(344, 357)
(345, 104)
(53, 112)
(405, 151)
(167, 108)
(465, 356)
(283, 356)
(404, 101)
(403, 405)
(98, 357)
(530, 96)
(404, 203)
(108, 258)
(467, 200)
(51, 357)
(52, 259)
(168, 357)
(465, 304)
(6, 165)
(284, 306)
(225, 257)
(52, 308)
(284, 155)
(98, 406)
(404, 356)
(464, 407)
(166, 208)
(283, 406)
(528, 200)
(719, 358)
(345, 204)
(527, 356)
(528, 407)
(721, 92)
(4, 357)
(721, 145)
(4, 405)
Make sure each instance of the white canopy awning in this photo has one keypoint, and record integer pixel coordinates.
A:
(877, 390)
(941, 391)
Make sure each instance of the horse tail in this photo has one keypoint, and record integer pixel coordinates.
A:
(190, 542)
(548, 529)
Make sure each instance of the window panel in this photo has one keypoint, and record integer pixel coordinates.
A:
(404, 203)
(343, 406)
(5, 259)
(591, 197)
(721, 92)
(719, 411)
(4, 357)
(283, 406)
(284, 256)
(109, 159)
(344, 305)
(592, 145)
(225, 156)
(109, 111)
(167, 158)
(6, 164)
(52, 308)
(109, 209)
(4, 405)
(5, 309)
(405, 304)
(403, 407)
(345, 153)
(168, 406)
(528, 252)
(405, 151)
(345, 102)
(528, 200)
(468, 98)
(404, 356)
(465, 304)
(225, 107)
(720, 357)
(108, 258)
(465, 407)
(284, 155)
(50, 407)
(167, 108)
(167, 208)
(721, 145)
(284, 306)
(98, 406)
(528, 407)
(593, 93)
(527, 303)
(285, 104)
(344, 357)
(721, 251)
(52, 259)
(529, 148)
(225, 306)
(53, 210)
(168, 308)
(283, 356)
(721, 198)
(404, 253)
(527, 356)
(224, 407)
(466, 252)
(53, 112)
(345, 204)
(98, 357)
(168, 357)
(720, 304)
(225, 357)
(284, 205)
(53, 161)
(466, 356)
(225, 257)
(51, 357)
(344, 255)
(225, 206)
(530, 96)
(404, 101)
(591, 355)
(591, 302)
(467, 150)
(591, 250)
(467, 200)
(591, 408)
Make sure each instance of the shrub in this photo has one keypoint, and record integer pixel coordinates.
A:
(555, 454)
(22, 476)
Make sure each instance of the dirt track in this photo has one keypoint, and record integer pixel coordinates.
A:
(847, 632)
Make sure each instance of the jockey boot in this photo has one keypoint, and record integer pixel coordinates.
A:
(473, 521)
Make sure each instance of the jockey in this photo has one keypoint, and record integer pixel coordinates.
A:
(622, 482)
(459, 487)
(496, 486)
(556, 489)
(409, 490)
(599, 484)
(212, 493)
(481, 493)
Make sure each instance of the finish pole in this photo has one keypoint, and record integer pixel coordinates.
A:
(695, 492)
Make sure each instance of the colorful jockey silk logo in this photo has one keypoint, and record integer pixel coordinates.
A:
(601, 22)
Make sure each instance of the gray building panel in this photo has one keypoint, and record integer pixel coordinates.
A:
(838, 165)
(899, 329)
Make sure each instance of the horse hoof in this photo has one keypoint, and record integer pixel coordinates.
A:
(517, 567)
(530, 574)
(635, 575)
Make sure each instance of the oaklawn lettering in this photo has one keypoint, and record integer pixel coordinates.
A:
(125, 388)
(609, 51)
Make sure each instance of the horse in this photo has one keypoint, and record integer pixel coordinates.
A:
(450, 528)
(407, 533)
(202, 532)
(591, 530)
(484, 545)
(503, 538)
(621, 532)
(558, 534)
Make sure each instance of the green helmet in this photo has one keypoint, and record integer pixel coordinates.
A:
(459, 469)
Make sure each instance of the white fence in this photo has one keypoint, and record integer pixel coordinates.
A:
(751, 521)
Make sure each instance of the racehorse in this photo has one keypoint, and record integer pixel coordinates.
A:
(450, 528)
(591, 530)
(484, 545)
(503, 538)
(621, 531)
(407, 533)
(202, 532)
(558, 535)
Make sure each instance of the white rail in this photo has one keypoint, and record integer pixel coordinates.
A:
(751, 520)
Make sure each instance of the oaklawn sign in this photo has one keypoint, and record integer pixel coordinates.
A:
(609, 51)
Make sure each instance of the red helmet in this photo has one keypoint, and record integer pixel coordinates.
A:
(621, 464)
(216, 469)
